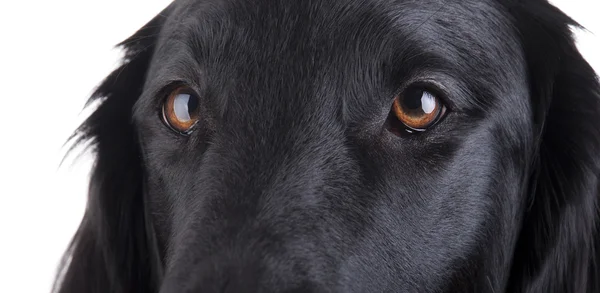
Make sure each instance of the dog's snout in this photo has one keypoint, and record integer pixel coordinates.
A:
(213, 277)
(225, 274)
(260, 234)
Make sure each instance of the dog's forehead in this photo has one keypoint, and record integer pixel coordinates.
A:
(338, 44)
(343, 17)
(214, 20)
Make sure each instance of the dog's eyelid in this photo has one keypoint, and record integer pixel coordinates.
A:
(432, 86)
(159, 93)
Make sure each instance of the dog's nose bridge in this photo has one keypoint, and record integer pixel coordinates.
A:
(246, 268)
(256, 195)
(214, 275)
(263, 155)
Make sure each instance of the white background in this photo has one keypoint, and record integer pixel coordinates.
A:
(52, 55)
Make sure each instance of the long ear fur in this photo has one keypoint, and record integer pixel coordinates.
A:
(559, 245)
(110, 251)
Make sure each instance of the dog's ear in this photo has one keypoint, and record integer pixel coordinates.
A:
(558, 249)
(111, 251)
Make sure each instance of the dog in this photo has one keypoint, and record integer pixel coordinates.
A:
(344, 146)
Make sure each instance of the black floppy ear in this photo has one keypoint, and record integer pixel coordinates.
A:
(111, 251)
(559, 246)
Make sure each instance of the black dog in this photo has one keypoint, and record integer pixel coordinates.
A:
(344, 146)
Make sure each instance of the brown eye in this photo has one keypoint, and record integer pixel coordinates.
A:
(180, 110)
(417, 109)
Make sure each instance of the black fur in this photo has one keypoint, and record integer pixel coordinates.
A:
(293, 183)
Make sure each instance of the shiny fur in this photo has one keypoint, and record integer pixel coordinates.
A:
(292, 183)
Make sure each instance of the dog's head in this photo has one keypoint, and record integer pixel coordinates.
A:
(344, 146)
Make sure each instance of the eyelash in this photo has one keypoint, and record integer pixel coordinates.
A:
(430, 86)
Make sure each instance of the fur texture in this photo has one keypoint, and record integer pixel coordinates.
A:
(292, 182)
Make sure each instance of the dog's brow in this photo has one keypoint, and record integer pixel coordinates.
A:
(198, 38)
(441, 5)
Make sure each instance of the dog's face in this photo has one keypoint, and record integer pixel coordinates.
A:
(300, 171)
(348, 146)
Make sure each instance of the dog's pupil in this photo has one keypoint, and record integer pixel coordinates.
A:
(192, 104)
(412, 99)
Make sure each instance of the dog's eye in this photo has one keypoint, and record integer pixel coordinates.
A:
(417, 109)
(180, 110)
